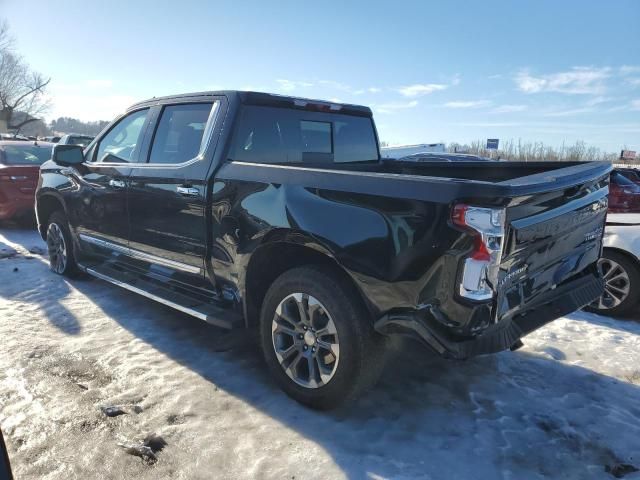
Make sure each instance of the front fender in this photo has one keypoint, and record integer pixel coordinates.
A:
(47, 201)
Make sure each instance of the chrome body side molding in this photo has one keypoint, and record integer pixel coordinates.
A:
(146, 257)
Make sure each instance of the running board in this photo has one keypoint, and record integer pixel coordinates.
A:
(219, 316)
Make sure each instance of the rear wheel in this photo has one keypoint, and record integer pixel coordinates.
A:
(317, 338)
(62, 258)
(622, 285)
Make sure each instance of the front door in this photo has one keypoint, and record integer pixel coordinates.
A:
(167, 193)
(100, 205)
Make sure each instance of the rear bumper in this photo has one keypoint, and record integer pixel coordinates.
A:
(421, 325)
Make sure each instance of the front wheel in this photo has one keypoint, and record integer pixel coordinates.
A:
(317, 338)
(60, 246)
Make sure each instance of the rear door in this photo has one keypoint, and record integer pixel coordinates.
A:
(167, 192)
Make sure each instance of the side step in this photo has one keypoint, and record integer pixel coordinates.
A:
(218, 315)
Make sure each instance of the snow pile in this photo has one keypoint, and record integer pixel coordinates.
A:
(198, 403)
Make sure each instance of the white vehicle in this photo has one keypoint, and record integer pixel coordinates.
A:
(400, 151)
(620, 265)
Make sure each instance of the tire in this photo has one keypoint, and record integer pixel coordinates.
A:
(62, 259)
(622, 288)
(339, 374)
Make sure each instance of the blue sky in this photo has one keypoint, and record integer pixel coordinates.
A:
(548, 71)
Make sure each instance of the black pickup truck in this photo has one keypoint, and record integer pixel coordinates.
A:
(277, 214)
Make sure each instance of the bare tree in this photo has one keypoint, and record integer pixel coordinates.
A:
(22, 90)
(537, 151)
(6, 41)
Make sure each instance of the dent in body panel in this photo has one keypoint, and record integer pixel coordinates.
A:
(390, 247)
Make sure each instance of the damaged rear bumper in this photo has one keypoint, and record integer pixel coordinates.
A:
(421, 324)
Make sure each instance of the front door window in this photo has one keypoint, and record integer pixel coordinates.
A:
(121, 143)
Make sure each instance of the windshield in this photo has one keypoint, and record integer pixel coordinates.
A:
(631, 175)
(25, 154)
(619, 179)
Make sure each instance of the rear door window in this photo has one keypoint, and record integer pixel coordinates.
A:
(181, 134)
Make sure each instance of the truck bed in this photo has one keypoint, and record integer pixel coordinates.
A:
(441, 182)
(494, 172)
(501, 178)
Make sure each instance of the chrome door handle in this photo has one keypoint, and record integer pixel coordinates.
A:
(188, 191)
(116, 183)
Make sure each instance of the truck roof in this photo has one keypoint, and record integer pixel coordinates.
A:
(265, 99)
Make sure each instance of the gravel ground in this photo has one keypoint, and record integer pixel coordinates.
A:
(192, 401)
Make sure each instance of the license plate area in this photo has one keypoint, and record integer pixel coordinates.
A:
(544, 250)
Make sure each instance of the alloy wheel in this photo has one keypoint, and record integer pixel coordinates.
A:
(305, 340)
(57, 248)
(617, 284)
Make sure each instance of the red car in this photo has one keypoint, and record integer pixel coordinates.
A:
(632, 174)
(19, 169)
(624, 194)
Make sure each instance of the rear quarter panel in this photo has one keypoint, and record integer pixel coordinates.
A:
(393, 248)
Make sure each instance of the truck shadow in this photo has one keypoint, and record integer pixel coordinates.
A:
(43, 292)
(427, 418)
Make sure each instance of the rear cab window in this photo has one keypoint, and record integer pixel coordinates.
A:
(286, 135)
(619, 179)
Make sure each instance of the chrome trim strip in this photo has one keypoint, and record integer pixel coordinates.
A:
(146, 257)
(103, 243)
(139, 291)
(147, 165)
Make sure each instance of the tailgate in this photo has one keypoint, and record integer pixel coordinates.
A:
(549, 241)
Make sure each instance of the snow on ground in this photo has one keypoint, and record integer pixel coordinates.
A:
(564, 406)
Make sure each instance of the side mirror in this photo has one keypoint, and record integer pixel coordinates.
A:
(67, 155)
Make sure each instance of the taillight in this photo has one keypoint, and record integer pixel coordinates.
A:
(618, 199)
(480, 268)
